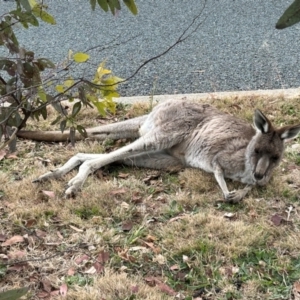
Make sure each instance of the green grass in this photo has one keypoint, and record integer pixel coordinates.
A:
(153, 224)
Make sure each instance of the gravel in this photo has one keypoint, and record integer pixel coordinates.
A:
(236, 48)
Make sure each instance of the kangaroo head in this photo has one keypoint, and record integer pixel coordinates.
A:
(266, 148)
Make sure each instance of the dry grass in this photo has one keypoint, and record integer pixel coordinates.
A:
(143, 234)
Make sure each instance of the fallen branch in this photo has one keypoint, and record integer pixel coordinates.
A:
(55, 135)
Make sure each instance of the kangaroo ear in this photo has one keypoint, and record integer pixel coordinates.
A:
(289, 132)
(261, 122)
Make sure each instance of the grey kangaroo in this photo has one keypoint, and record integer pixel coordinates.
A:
(179, 134)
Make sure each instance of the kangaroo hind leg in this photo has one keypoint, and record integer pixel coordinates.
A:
(124, 129)
(154, 140)
(159, 160)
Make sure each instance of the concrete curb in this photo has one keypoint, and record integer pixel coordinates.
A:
(280, 93)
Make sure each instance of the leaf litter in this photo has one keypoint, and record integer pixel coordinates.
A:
(58, 244)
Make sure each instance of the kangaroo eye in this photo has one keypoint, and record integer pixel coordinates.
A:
(275, 157)
(256, 150)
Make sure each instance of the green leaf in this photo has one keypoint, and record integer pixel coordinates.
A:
(63, 125)
(82, 96)
(14, 121)
(32, 3)
(25, 17)
(56, 120)
(42, 95)
(110, 94)
(101, 71)
(36, 78)
(60, 88)
(111, 105)
(26, 5)
(91, 98)
(5, 112)
(59, 108)
(76, 109)
(131, 5)
(9, 38)
(44, 112)
(103, 4)
(93, 4)
(30, 18)
(13, 294)
(47, 18)
(100, 107)
(111, 83)
(39, 66)
(43, 15)
(82, 131)
(114, 5)
(290, 17)
(80, 57)
(46, 63)
(9, 66)
(28, 69)
(69, 82)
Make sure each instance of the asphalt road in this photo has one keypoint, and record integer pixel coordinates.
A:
(236, 48)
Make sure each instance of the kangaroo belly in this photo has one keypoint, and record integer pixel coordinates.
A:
(211, 146)
(200, 160)
(193, 157)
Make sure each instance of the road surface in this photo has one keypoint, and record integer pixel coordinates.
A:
(236, 48)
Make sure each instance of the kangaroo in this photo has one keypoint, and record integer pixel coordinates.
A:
(181, 134)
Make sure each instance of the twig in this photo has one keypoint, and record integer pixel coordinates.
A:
(180, 39)
(109, 45)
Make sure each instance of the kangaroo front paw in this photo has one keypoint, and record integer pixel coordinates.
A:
(234, 196)
(237, 196)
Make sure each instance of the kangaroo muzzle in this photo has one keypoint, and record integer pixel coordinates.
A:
(261, 168)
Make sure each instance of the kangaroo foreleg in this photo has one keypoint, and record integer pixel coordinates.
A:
(233, 196)
(147, 143)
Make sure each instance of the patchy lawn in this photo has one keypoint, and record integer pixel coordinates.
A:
(146, 234)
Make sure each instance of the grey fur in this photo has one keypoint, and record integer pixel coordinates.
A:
(179, 134)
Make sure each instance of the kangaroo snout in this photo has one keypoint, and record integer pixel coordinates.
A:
(258, 176)
(261, 168)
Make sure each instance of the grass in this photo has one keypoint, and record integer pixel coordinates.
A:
(145, 234)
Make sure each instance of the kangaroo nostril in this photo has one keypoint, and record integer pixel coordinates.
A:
(258, 176)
